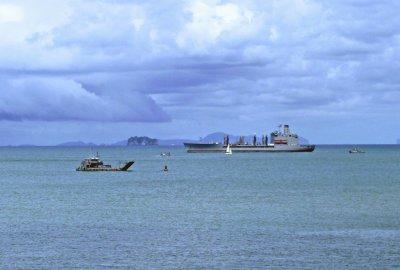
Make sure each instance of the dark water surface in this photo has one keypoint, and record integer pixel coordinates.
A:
(321, 210)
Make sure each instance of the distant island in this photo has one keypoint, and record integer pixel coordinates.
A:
(398, 141)
(132, 141)
(141, 141)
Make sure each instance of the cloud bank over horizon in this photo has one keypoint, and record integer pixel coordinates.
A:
(185, 68)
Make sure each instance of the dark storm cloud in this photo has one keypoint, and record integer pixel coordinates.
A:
(52, 99)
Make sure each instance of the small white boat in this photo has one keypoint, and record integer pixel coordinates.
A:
(228, 150)
(355, 150)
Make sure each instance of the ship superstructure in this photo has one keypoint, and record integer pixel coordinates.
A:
(280, 141)
(284, 138)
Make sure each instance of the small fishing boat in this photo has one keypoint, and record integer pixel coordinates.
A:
(94, 164)
(228, 150)
(165, 154)
(355, 150)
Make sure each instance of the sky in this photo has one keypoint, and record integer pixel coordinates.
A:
(102, 71)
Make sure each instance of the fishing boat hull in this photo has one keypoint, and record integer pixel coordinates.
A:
(106, 168)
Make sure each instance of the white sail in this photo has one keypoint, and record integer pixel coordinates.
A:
(228, 150)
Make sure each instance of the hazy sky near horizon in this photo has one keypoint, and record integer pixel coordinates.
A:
(102, 71)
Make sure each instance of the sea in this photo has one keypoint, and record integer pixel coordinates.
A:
(323, 210)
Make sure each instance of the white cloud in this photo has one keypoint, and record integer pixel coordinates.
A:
(210, 22)
(10, 13)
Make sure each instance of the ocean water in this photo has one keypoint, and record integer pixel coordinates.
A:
(321, 210)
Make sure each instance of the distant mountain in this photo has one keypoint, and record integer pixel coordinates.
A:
(398, 141)
(27, 145)
(76, 144)
(120, 143)
(23, 145)
(160, 142)
(214, 137)
(173, 142)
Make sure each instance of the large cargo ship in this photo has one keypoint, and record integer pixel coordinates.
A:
(280, 141)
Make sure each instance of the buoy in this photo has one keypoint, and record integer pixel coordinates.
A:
(165, 168)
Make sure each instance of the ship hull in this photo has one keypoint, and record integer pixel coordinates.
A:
(106, 168)
(99, 170)
(215, 148)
